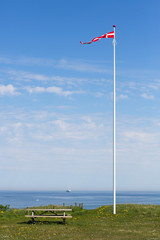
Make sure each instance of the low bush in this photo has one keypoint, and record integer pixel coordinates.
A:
(4, 208)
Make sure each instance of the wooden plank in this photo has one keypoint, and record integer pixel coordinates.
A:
(53, 210)
(46, 216)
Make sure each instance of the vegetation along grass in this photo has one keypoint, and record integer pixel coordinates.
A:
(139, 222)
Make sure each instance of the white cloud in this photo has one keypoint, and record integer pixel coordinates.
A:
(51, 139)
(83, 66)
(26, 76)
(76, 64)
(23, 76)
(27, 61)
(98, 94)
(3, 129)
(56, 90)
(122, 96)
(61, 124)
(139, 135)
(17, 125)
(147, 96)
(8, 90)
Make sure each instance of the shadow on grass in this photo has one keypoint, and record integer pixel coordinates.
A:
(30, 222)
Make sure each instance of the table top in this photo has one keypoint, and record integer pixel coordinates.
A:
(52, 209)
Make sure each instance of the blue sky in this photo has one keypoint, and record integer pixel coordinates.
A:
(56, 95)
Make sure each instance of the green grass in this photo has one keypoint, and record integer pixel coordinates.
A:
(140, 222)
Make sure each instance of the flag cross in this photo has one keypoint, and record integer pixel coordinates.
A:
(107, 35)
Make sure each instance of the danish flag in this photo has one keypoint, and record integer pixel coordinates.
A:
(107, 35)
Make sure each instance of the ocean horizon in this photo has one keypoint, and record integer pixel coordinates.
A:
(90, 199)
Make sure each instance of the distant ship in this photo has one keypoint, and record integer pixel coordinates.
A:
(68, 190)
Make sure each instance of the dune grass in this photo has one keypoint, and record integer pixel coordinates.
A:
(141, 222)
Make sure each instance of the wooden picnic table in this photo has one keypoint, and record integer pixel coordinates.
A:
(48, 213)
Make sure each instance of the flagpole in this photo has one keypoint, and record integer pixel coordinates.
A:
(114, 123)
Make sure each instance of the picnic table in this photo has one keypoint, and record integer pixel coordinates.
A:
(48, 213)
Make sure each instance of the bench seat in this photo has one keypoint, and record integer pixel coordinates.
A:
(36, 216)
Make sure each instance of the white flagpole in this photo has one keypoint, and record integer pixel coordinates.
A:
(114, 124)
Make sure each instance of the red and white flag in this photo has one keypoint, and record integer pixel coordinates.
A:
(107, 35)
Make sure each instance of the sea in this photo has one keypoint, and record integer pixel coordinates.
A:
(90, 199)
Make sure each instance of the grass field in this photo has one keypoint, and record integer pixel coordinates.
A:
(141, 222)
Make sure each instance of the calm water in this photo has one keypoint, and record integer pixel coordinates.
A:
(90, 199)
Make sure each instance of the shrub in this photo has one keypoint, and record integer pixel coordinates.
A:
(4, 208)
